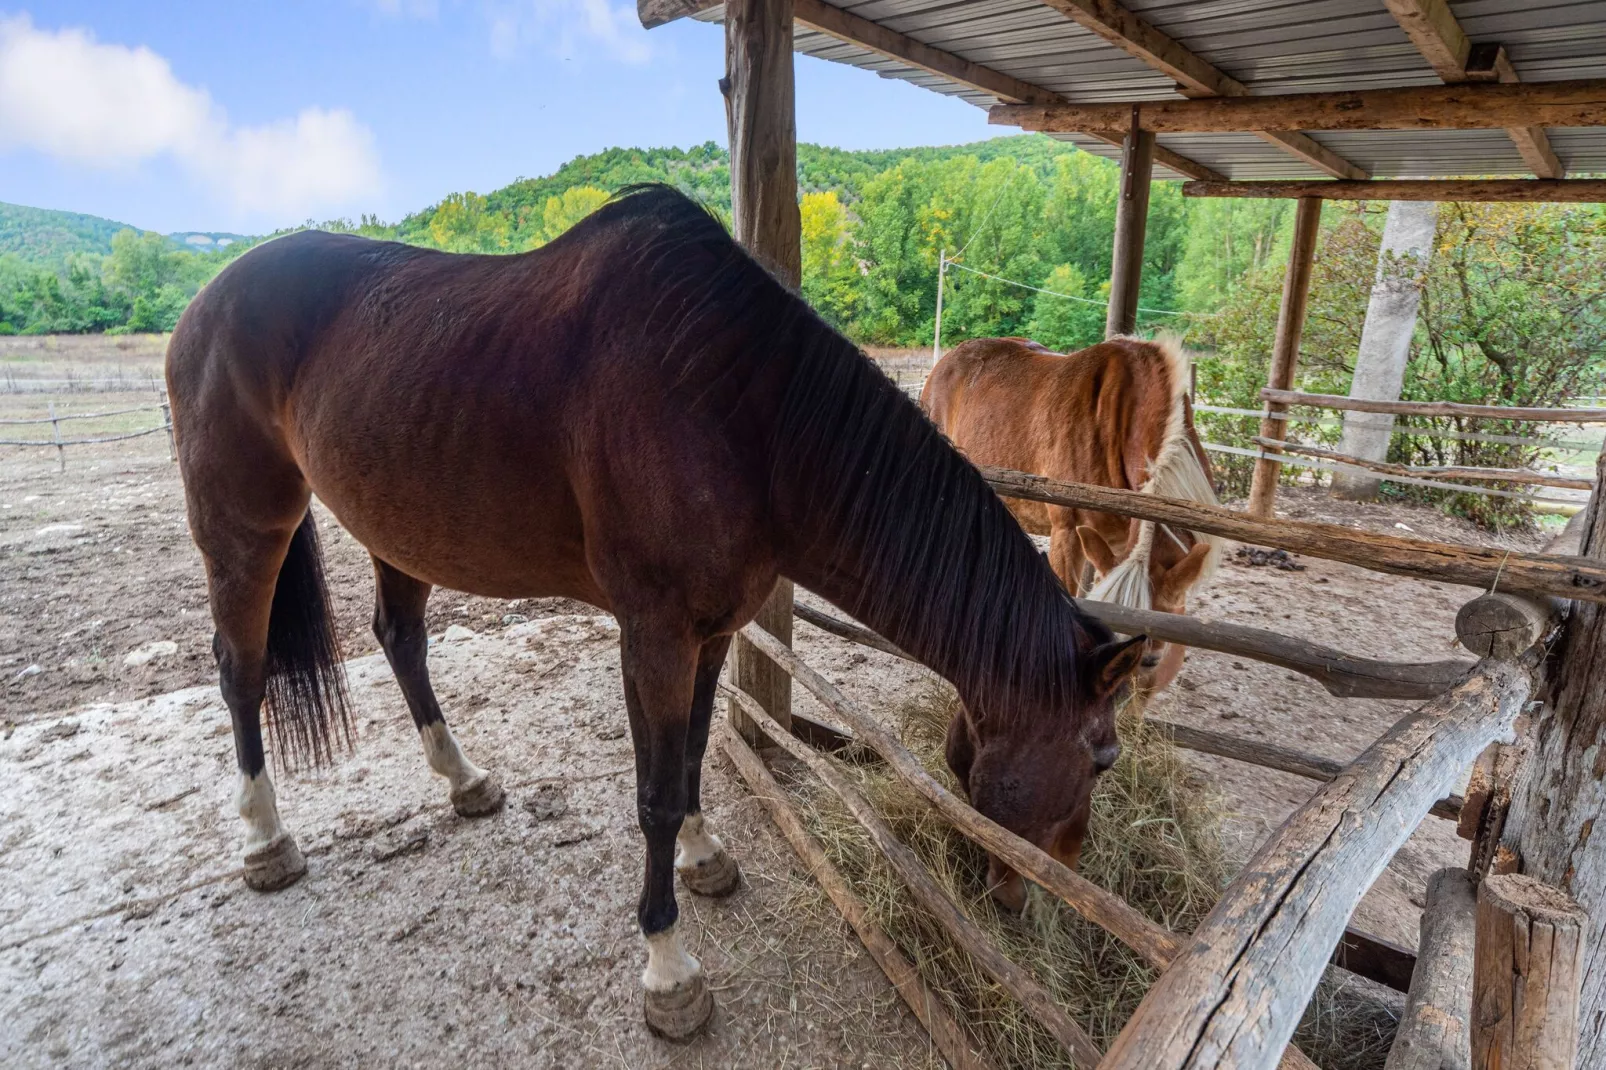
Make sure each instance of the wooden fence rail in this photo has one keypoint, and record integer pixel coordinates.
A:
(1501, 475)
(1236, 993)
(1435, 408)
(1475, 566)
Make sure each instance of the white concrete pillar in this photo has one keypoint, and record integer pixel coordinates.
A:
(1386, 338)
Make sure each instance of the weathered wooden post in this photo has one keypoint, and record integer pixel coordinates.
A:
(1529, 964)
(1131, 223)
(1285, 348)
(167, 422)
(1555, 829)
(1433, 1033)
(761, 116)
(55, 431)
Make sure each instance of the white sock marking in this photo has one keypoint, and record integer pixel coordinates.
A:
(695, 844)
(669, 964)
(255, 800)
(446, 757)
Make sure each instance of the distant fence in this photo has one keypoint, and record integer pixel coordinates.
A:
(56, 439)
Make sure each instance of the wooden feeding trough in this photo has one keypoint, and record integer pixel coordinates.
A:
(1139, 82)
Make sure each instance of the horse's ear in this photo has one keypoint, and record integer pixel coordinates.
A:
(1111, 663)
(1180, 577)
(1095, 549)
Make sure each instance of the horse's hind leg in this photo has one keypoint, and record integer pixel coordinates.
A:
(399, 626)
(705, 867)
(241, 585)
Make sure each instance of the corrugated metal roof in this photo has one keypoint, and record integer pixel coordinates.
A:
(1272, 46)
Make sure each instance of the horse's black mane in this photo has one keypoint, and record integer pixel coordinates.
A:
(944, 569)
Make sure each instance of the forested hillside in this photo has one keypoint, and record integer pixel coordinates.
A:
(1513, 310)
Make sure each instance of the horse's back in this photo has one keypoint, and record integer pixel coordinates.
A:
(1092, 416)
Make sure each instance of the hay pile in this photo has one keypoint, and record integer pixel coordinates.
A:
(1154, 840)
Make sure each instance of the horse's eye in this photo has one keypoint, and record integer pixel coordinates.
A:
(1150, 661)
(1104, 756)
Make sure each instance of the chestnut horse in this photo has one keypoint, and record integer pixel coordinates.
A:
(1115, 415)
(637, 416)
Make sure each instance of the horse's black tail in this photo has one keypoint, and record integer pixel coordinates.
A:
(307, 703)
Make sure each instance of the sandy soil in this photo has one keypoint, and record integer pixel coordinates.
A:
(126, 939)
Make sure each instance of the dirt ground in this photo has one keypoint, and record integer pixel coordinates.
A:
(126, 938)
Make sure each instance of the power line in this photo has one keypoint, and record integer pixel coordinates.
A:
(1073, 297)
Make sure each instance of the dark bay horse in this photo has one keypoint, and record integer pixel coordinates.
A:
(638, 416)
(1114, 415)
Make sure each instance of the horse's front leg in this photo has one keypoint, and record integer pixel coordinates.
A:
(660, 662)
(704, 865)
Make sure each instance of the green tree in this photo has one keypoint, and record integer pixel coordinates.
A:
(1063, 323)
(566, 209)
(830, 272)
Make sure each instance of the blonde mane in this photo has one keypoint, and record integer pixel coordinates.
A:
(1174, 472)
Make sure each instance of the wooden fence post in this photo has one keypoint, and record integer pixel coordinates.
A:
(1285, 347)
(55, 430)
(1554, 831)
(167, 421)
(1529, 966)
(1433, 1033)
(1131, 223)
(761, 114)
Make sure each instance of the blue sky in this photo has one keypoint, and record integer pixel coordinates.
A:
(249, 116)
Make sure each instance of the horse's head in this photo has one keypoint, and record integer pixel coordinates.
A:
(1175, 564)
(1033, 771)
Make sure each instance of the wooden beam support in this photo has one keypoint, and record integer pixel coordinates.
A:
(1285, 345)
(1194, 75)
(1530, 961)
(857, 30)
(1236, 993)
(1436, 408)
(1435, 1031)
(1471, 106)
(1432, 27)
(1131, 225)
(958, 1049)
(1543, 575)
(1518, 190)
(762, 118)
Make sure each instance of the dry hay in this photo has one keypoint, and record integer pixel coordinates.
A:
(1155, 841)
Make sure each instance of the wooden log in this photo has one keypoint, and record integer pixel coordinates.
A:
(1529, 966)
(1131, 224)
(1237, 991)
(959, 927)
(1487, 807)
(958, 1049)
(1285, 345)
(1514, 190)
(1375, 959)
(761, 115)
(1434, 1033)
(1503, 625)
(1535, 574)
(1342, 675)
(1436, 408)
(1110, 912)
(1493, 475)
(1468, 106)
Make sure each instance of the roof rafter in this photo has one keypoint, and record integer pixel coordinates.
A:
(1195, 76)
(1432, 27)
(860, 31)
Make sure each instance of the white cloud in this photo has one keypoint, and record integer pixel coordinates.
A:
(565, 26)
(68, 96)
(416, 9)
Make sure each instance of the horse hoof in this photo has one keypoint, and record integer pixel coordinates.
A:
(276, 864)
(681, 1012)
(479, 797)
(714, 877)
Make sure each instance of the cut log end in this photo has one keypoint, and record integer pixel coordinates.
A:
(1502, 625)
